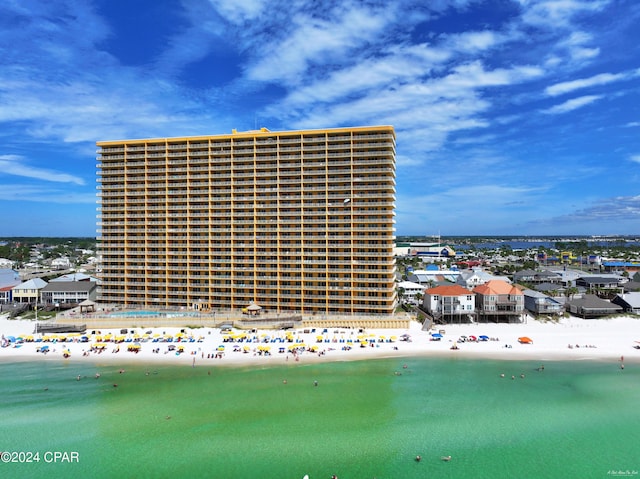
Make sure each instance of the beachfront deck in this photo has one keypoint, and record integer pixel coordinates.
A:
(111, 317)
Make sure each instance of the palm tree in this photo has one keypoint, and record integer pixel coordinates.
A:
(401, 292)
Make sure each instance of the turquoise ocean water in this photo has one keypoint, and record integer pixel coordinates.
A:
(364, 419)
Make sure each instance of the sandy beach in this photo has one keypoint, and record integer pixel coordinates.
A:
(569, 339)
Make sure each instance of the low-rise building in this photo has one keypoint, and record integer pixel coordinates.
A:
(29, 291)
(539, 303)
(9, 279)
(5, 263)
(630, 302)
(477, 276)
(601, 284)
(535, 277)
(61, 263)
(590, 306)
(430, 277)
(450, 304)
(66, 292)
(498, 301)
(410, 290)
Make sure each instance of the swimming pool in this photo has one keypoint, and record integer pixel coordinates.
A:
(153, 314)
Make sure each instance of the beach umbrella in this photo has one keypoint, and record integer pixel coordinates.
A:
(484, 337)
(11, 339)
(525, 340)
(436, 335)
(44, 348)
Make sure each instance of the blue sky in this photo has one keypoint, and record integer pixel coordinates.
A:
(512, 117)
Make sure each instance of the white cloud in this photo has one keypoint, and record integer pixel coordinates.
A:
(553, 14)
(13, 165)
(572, 104)
(239, 11)
(635, 158)
(569, 86)
(314, 40)
(473, 42)
(39, 194)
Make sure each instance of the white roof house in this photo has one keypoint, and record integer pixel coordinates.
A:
(6, 263)
(61, 263)
(470, 278)
(410, 288)
(29, 291)
(74, 277)
(629, 301)
(432, 276)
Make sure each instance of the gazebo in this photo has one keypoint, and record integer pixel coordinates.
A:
(253, 308)
(87, 306)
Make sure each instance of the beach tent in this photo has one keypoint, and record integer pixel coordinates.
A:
(253, 308)
(87, 306)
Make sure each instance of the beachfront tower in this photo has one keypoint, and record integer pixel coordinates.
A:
(295, 221)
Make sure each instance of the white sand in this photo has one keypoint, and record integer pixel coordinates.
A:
(602, 339)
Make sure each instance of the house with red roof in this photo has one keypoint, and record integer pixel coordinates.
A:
(499, 302)
(450, 304)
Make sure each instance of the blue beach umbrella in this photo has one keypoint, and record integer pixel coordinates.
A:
(436, 335)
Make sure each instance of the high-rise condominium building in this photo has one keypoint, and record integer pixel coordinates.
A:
(296, 221)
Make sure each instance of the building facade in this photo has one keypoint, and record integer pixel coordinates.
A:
(298, 221)
(450, 304)
(498, 301)
(68, 292)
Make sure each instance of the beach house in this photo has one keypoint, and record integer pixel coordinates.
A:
(539, 303)
(69, 292)
(630, 302)
(498, 301)
(29, 291)
(590, 306)
(410, 290)
(450, 304)
(9, 279)
(477, 276)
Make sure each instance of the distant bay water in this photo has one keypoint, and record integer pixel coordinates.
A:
(539, 243)
(363, 419)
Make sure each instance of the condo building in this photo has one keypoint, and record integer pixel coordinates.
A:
(294, 221)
